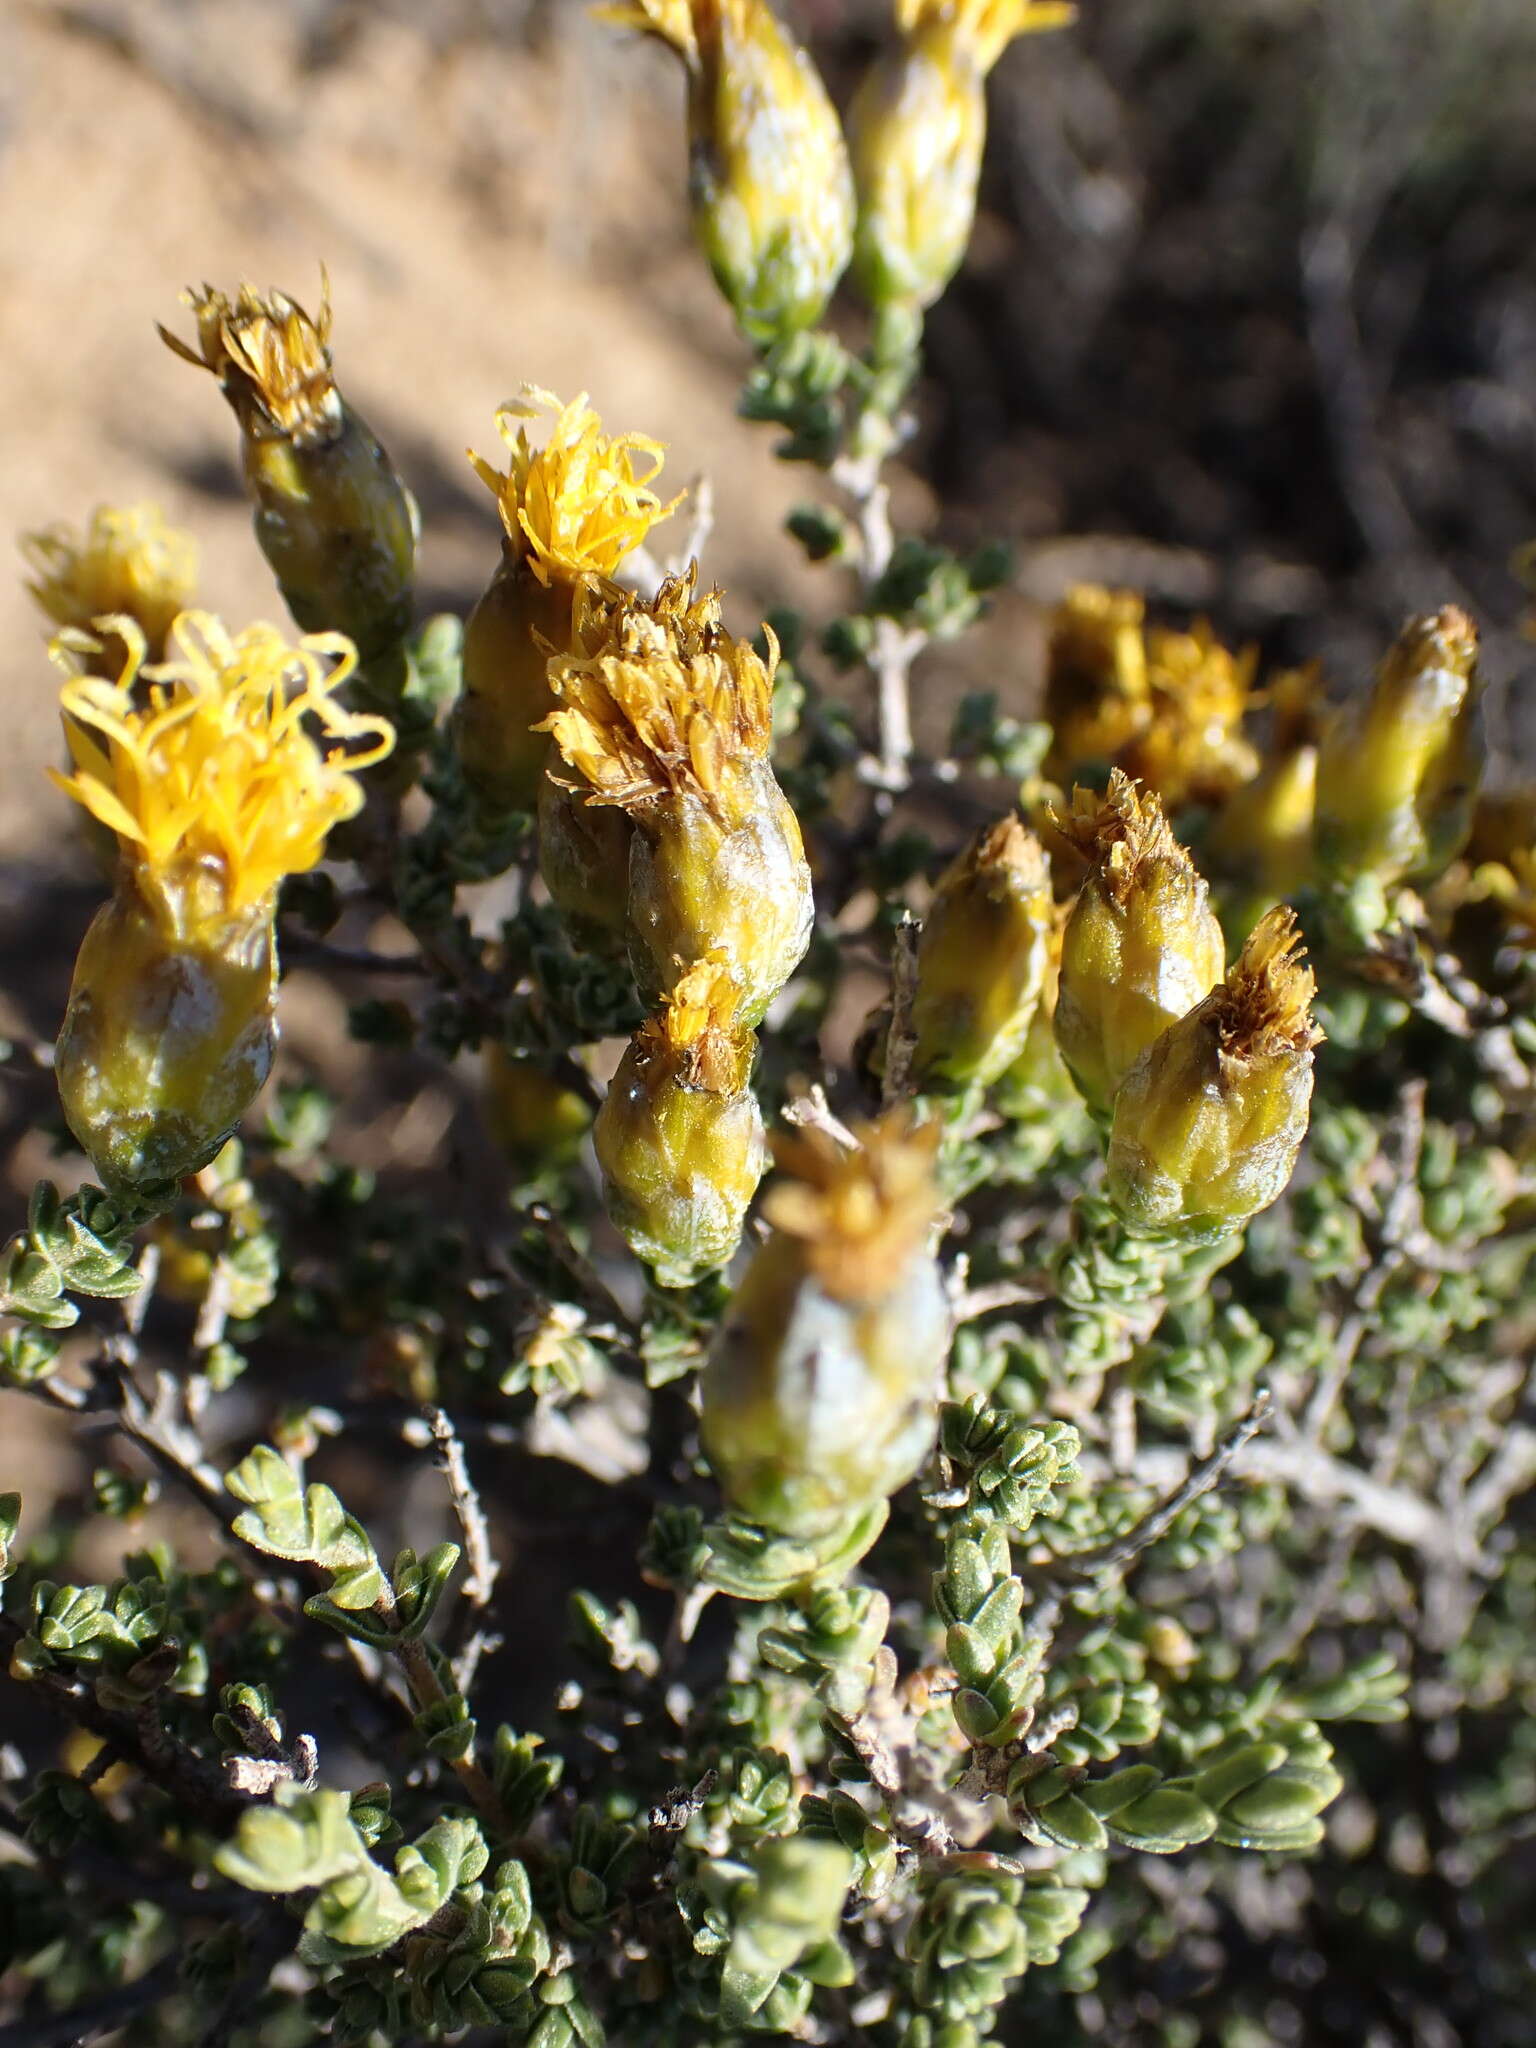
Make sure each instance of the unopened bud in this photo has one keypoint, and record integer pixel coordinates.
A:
(333, 517)
(917, 128)
(981, 960)
(768, 171)
(680, 1136)
(538, 1120)
(671, 723)
(820, 1395)
(571, 513)
(1208, 1122)
(1398, 769)
(1142, 945)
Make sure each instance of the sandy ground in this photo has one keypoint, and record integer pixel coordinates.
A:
(487, 214)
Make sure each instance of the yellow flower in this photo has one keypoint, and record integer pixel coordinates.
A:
(1399, 766)
(680, 1136)
(670, 721)
(216, 789)
(577, 506)
(1097, 694)
(332, 517)
(917, 129)
(1142, 945)
(769, 179)
(820, 1393)
(127, 560)
(572, 511)
(1191, 749)
(1208, 1122)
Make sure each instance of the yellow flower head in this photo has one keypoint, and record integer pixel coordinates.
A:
(127, 560)
(218, 788)
(576, 507)
(862, 1216)
(272, 360)
(983, 28)
(1097, 696)
(1192, 748)
(672, 706)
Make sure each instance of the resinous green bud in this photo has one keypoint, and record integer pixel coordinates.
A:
(584, 860)
(1398, 770)
(1208, 1122)
(820, 1394)
(333, 518)
(680, 1136)
(166, 1042)
(507, 638)
(769, 180)
(537, 1120)
(1142, 945)
(982, 958)
(916, 133)
(700, 883)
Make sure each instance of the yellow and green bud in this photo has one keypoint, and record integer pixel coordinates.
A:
(203, 769)
(536, 1119)
(333, 518)
(1208, 1122)
(771, 190)
(671, 723)
(916, 131)
(1142, 945)
(571, 512)
(820, 1396)
(127, 562)
(982, 957)
(1398, 769)
(680, 1136)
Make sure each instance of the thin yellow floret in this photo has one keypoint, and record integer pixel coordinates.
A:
(127, 559)
(862, 1215)
(576, 507)
(985, 27)
(219, 786)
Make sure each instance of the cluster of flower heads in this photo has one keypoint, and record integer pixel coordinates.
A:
(783, 203)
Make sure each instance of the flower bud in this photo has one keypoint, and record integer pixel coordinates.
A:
(128, 561)
(584, 860)
(820, 1393)
(215, 791)
(769, 179)
(1097, 697)
(333, 518)
(680, 1136)
(571, 512)
(1208, 1122)
(981, 960)
(671, 723)
(1142, 945)
(165, 1045)
(916, 132)
(536, 1119)
(1398, 768)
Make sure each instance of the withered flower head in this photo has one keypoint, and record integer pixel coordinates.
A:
(272, 360)
(678, 707)
(1192, 748)
(862, 1217)
(697, 1033)
(1121, 834)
